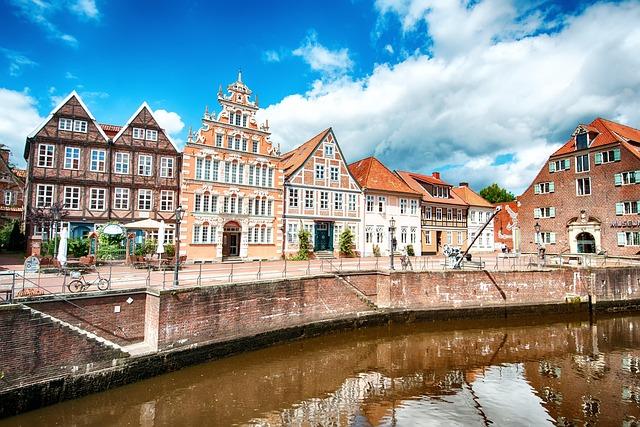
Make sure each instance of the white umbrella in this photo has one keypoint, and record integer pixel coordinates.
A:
(62, 246)
(160, 248)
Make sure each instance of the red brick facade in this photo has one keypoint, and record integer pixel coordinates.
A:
(11, 189)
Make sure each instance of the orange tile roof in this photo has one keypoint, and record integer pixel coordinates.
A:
(413, 180)
(292, 160)
(20, 173)
(608, 132)
(110, 130)
(471, 197)
(372, 174)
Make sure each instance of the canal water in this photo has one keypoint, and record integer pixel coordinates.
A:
(567, 371)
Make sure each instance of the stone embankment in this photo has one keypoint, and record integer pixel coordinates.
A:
(54, 350)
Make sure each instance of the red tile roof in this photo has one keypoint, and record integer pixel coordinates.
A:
(414, 180)
(371, 174)
(608, 132)
(110, 130)
(20, 173)
(292, 160)
(471, 197)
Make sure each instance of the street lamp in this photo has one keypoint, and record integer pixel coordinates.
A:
(179, 214)
(56, 212)
(392, 232)
(539, 243)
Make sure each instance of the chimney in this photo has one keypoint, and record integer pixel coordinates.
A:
(464, 184)
(436, 175)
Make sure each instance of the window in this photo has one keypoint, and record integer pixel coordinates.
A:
(44, 195)
(403, 206)
(45, 155)
(352, 202)
(459, 215)
(427, 212)
(65, 124)
(582, 163)
(151, 135)
(166, 167)
(403, 235)
(232, 204)
(145, 200)
(460, 238)
(204, 234)
(427, 237)
(583, 186)
(544, 188)
(414, 231)
(8, 198)
(546, 237)
(293, 197)
(582, 141)
(97, 199)
(607, 156)
(441, 192)
(629, 238)
(218, 140)
(319, 171)
(449, 237)
(254, 147)
(368, 234)
(324, 200)
(449, 214)
(138, 133)
(328, 151)
(335, 173)
(627, 208)
(71, 198)
(166, 200)
(121, 198)
(627, 178)
(292, 233)
(439, 214)
(122, 163)
(547, 212)
(145, 165)
(370, 203)
(72, 158)
(238, 118)
(559, 165)
(379, 234)
(205, 203)
(382, 202)
(80, 126)
(98, 160)
(414, 207)
(229, 141)
(337, 201)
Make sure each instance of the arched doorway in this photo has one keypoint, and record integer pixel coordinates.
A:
(231, 239)
(586, 243)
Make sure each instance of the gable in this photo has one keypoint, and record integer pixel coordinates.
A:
(144, 119)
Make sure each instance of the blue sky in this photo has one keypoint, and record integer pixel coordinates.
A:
(481, 90)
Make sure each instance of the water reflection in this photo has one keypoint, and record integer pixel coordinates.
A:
(569, 372)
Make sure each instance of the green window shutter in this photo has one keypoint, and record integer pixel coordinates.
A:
(617, 179)
(567, 164)
(552, 166)
(598, 158)
(619, 208)
(622, 238)
(551, 187)
(637, 175)
(536, 213)
(552, 238)
(552, 212)
(638, 206)
(616, 154)
(536, 188)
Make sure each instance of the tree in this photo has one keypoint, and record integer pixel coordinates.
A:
(496, 194)
(304, 246)
(346, 242)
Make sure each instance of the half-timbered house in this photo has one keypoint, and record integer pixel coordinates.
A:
(100, 173)
(321, 195)
(11, 188)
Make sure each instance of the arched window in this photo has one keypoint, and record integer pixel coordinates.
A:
(238, 117)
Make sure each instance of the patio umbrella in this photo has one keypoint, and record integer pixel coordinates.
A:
(160, 248)
(62, 247)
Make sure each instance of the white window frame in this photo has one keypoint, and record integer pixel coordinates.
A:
(151, 135)
(147, 167)
(578, 186)
(121, 197)
(403, 206)
(97, 199)
(579, 160)
(293, 197)
(137, 133)
(65, 124)
(309, 196)
(328, 151)
(80, 126)
(334, 173)
(145, 195)
(319, 171)
(167, 167)
(71, 194)
(45, 159)
(42, 194)
(167, 200)
(120, 163)
(101, 164)
(76, 154)
(352, 199)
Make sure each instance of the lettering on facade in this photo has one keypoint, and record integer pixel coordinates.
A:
(628, 223)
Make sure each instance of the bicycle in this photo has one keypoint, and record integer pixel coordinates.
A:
(80, 284)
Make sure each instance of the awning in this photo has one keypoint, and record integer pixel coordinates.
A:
(146, 224)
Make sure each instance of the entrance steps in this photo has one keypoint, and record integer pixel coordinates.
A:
(324, 255)
(232, 259)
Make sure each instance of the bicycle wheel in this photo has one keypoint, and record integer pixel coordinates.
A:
(103, 284)
(75, 286)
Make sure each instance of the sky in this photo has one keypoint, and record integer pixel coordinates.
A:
(480, 90)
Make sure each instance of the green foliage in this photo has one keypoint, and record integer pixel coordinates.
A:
(47, 247)
(346, 242)
(169, 250)
(376, 251)
(78, 247)
(410, 251)
(496, 194)
(110, 246)
(304, 246)
(11, 237)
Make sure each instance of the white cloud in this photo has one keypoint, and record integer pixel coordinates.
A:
(322, 59)
(18, 118)
(17, 61)
(271, 56)
(389, 49)
(171, 122)
(70, 76)
(86, 8)
(457, 111)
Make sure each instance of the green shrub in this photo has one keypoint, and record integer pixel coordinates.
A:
(11, 236)
(304, 246)
(346, 242)
(169, 250)
(78, 247)
(376, 251)
(410, 251)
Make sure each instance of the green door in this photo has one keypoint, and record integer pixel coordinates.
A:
(323, 241)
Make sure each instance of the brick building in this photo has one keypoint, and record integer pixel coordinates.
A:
(479, 212)
(321, 195)
(231, 184)
(386, 196)
(586, 198)
(506, 230)
(444, 214)
(11, 188)
(101, 173)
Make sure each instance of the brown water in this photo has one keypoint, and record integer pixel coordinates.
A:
(569, 372)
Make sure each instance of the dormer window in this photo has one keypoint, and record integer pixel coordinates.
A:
(582, 140)
(441, 192)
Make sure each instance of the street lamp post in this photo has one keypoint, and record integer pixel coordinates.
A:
(392, 232)
(56, 212)
(179, 214)
(539, 243)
